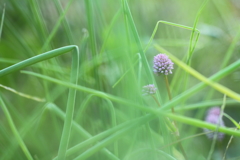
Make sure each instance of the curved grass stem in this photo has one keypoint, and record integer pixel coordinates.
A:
(70, 107)
(159, 111)
(2, 20)
(111, 110)
(14, 130)
(72, 92)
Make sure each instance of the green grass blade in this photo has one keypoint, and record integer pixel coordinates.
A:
(178, 99)
(72, 92)
(14, 130)
(227, 57)
(216, 133)
(202, 124)
(35, 59)
(174, 101)
(190, 50)
(70, 106)
(65, 22)
(39, 21)
(89, 10)
(160, 153)
(205, 104)
(232, 120)
(23, 131)
(110, 139)
(199, 76)
(2, 20)
(56, 27)
(113, 22)
(72, 150)
(111, 110)
(146, 66)
(172, 24)
(137, 39)
(92, 91)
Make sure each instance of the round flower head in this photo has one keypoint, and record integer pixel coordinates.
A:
(162, 64)
(149, 89)
(214, 111)
(213, 116)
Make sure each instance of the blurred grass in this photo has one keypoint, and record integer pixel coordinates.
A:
(118, 122)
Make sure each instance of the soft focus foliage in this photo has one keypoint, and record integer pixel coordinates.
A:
(111, 118)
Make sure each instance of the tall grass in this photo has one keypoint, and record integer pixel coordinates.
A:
(90, 105)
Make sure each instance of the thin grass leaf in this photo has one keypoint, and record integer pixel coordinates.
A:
(23, 94)
(72, 92)
(205, 104)
(174, 101)
(216, 132)
(191, 48)
(160, 154)
(15, 131)
(111, 110)
(232, 120)
(146, 66)
(93, 139)
(113, 22)
(92, 91)
(183, 119)
(199, 76)
(23, 131)
(201, 124)
(65, 22)
(39, 21)
(56, 27)
(2, 20)
(229, 142)
(172, 24)
(110, 139)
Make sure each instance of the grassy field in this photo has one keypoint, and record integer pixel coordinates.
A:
(72, 76)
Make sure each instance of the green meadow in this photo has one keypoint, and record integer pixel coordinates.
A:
(72, 77)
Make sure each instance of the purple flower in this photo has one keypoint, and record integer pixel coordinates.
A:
(213, 116)
(214, 111)
(162, 64)
(149, 89)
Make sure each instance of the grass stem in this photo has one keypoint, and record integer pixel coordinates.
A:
(174, 123)
(15, 131)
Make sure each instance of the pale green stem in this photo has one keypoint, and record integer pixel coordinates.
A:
(72, 92)
(112, 111)
(70, 107)
(216, 133)
(2, 20)
(14, 130)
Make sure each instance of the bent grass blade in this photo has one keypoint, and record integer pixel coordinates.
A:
(199, 76)
(158, 112)
(72, 92)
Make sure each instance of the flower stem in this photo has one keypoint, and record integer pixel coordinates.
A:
(156, 101)
(168, 89)
(174, 123)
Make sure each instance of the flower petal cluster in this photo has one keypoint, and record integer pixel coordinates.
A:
(149, 89)
(213, 116)
(162, 64)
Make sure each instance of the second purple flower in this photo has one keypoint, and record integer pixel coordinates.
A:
(213, 116)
